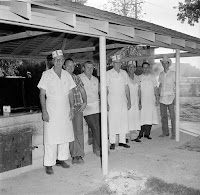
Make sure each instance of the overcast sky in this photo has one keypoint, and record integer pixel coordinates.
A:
(161, 12)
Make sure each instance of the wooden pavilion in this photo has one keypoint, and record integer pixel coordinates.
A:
(32, 29)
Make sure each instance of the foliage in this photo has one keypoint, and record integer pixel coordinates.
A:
(189, 10)
(9, 67)
(128, 8)
(21, 67)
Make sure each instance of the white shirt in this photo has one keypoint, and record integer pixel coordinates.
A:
(113, 74)
(167, 81)
(92, 90)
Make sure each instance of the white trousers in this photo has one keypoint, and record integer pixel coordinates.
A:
(122, 138)
(56, 151)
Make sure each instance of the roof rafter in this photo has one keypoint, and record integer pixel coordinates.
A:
(87, 49)
(40, 47)
(64, 17)
(21, 35)
(21, 8)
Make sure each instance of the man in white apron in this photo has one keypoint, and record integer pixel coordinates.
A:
(118, 104)
(167, 96)
(55, 92)
(149, 101)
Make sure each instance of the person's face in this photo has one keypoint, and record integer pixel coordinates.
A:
(117, 65)
(88, 69)
(165, 65)
(146, 69)
(58, 61)
(69, 66)
(132, 68)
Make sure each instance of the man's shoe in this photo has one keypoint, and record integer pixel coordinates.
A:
(112, 146)
(136, 140)
(124, 145)
(62, 163)
(147, 136)
(163, 135)
(74, 160)
(172, 137)
(98, 153)
(80, 160)
(49, 170)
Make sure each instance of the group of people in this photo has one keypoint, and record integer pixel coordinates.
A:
(67, 98)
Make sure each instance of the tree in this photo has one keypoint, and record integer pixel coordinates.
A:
(128, 8)
(189, 10)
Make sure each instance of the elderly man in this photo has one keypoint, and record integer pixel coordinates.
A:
(80, 101)
(91, 112)
(167, 96)
(119, 103)
(56, 100)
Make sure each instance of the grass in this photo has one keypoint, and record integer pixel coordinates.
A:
(190, 109)
(155, 186)
(193, 145)
(103, 190)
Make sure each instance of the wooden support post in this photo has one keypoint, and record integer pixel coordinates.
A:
(177, 95)
(104, 131)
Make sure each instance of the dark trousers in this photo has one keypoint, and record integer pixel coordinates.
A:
(77, 146)
(145, 130)
(164, 118)
(94, 121)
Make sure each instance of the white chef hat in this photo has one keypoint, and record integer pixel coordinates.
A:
(57, 53)
(116, 58)
(166, 59)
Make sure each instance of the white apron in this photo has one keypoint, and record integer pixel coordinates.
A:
(118, 113)
(134, 112)
(149, 114)
(59, 128)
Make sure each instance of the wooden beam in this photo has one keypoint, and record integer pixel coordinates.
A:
(164, 39)
(125, 30)
(99, 25)
(86, 49)
(198, 46)
(64, 44)
(190, 44)
(40, 47)
(179, 42)
(150, 36)
(21, 47)
(64, 17)
(158, 56)
(21, 8)
(21, 35)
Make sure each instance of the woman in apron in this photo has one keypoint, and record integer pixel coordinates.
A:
(134, 112)
(149, 101)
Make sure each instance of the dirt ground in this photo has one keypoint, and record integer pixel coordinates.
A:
(159, 157)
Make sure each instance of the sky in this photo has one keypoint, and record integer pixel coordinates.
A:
(161, 12)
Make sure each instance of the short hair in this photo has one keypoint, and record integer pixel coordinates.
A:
(87, 62)
(69, 59)
(145, 63)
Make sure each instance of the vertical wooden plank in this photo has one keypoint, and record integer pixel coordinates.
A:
(104, 130)
(177, 95)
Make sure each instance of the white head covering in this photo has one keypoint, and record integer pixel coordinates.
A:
(166, 59)
(116, 58)
(57, 53)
